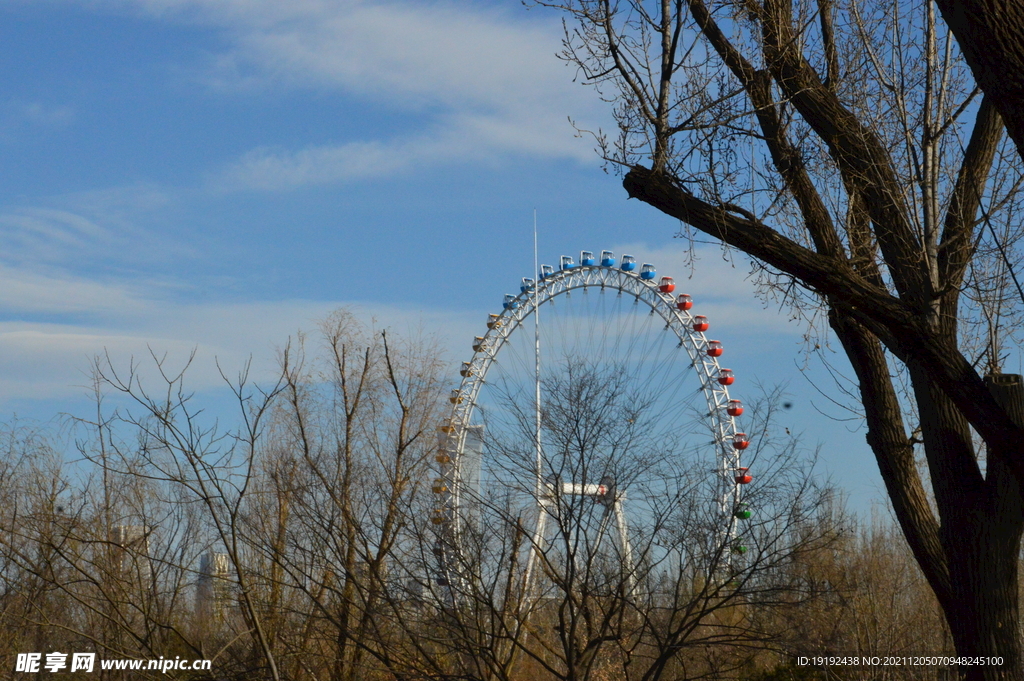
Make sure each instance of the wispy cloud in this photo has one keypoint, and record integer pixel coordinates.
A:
(464, 139)
(267, 168)
(38, 113)
(86, 230)
(130, 323)
(25, 291)
(42, 230)
(408, 54)
(16, 114)
(480, 81)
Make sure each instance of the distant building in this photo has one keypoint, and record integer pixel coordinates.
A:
(132, 550)
(470, 489)
(214, 587)
(470, 464)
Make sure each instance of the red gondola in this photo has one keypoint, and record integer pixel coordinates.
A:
(735, 408)
(684, 301)
(715, 348)
(726, 376)
(700, 323)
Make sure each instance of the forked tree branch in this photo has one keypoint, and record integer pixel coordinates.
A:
(894, 452)
(853, 146)
(957, 244)
(897, 324)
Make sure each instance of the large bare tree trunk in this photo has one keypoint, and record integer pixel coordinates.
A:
(991, 36)
(983, 546)
(970, 561)
(981, 532)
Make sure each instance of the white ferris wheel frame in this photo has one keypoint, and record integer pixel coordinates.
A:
(517, 310)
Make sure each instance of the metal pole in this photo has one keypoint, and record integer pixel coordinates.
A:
(536, 341)
(538, 540)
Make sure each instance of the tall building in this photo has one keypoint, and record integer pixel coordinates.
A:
(213, 589)
(131, 553)
(470, 465)
(472, 459)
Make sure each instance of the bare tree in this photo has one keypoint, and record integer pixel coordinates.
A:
(639, 572)
(345, 464)
(281, 548)
(173, 486)
(302, 544)
(95, 559)
(843, 147)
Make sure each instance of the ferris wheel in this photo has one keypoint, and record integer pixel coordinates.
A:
(594, 419)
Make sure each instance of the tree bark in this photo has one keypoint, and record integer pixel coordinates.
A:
(991, 36)
(894, 451)
(897, 324)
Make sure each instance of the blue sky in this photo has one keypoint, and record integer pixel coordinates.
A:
(218, 174)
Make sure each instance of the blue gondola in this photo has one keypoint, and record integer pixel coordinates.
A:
(510, 302)
(628, 263)
(546, 271)
(566, 263)
(587, 258)
(647, 271)
(527, 285)
(607, 259)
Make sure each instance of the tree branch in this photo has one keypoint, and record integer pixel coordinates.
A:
(956, 245)
(895, 322)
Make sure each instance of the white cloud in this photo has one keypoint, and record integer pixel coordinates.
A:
(90, 230)
(409, 54)
(270, 169)
(36, 231)
(53, 360)
(26, 291)
(462, 139)
(480, 81)
(115, 204)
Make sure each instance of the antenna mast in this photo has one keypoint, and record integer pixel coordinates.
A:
(536, 342)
